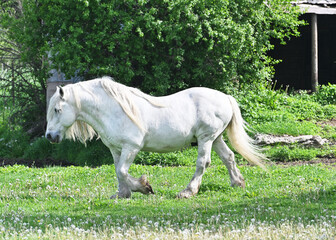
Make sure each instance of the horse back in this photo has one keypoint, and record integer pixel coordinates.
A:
(184, 117)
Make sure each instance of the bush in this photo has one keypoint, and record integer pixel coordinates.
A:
(326, 94)
(94, 154)
(262, 104)
(159, 46)
(13, 143)
(177, 158)
(41, 148)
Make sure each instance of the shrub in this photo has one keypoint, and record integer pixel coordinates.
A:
(94, 154)
(177, 158)
(262, 104)
(160, 46)
(41, 148)
(13, 143)
(326, 94)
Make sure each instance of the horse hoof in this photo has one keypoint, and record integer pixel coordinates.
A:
(147, 187)
(115, 196)
(118, 195)
(239, 184)
(186, 193)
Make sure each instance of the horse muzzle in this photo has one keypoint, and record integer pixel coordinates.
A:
(53, 137)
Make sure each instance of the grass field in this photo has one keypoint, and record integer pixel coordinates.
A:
(297, 202)
(287, 202)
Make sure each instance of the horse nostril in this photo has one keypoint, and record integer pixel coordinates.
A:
(49, 136)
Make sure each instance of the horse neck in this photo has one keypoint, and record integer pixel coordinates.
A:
(89, 111)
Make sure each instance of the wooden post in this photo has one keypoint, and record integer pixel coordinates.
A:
(314, 57)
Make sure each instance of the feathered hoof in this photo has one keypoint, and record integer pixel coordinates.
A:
(116, 196)
(186, 193)
(146, 187)
(122, 194)
(241, 184)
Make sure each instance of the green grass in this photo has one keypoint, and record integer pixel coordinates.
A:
(49, 201)
(297, 202)
(295, 152)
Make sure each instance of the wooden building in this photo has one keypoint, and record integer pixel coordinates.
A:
(310, 59)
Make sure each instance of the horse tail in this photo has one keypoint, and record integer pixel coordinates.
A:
(240, 140)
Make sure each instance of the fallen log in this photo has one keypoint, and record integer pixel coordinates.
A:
(310, 140)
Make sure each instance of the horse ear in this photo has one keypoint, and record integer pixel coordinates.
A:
(61, 91)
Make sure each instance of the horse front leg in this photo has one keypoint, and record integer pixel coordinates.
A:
(123, 190)
(126, 183)
(203, 160)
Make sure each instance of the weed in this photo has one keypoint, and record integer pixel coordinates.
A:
(326, 94)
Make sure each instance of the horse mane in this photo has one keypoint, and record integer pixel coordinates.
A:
(82, 131)
(122, 93)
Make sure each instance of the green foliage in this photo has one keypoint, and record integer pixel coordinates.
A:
(262, 104)
(22, 74)
(39, 149)
(179, 158)
(328, 131)
(95, 154)
(159, 46)
(13, 143)
(293, 152)
(267, 111)
(288, 127)
(326, 94)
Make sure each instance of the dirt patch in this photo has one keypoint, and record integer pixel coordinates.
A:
(40, 163)
(325, 161)
(331, 123)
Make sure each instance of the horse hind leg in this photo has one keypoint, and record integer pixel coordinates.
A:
(203, 159)
(227, 157)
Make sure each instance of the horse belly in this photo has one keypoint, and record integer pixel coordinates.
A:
(168, 145)
(168, 140)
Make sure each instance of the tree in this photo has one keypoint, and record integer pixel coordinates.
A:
(160, 46)
(22, 78)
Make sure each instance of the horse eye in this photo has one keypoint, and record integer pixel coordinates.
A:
(57, 110)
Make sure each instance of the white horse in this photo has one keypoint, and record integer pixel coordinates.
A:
(129, 121)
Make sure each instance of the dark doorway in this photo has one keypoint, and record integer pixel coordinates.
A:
(295, 68)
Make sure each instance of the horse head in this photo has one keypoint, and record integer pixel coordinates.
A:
(61, 115)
